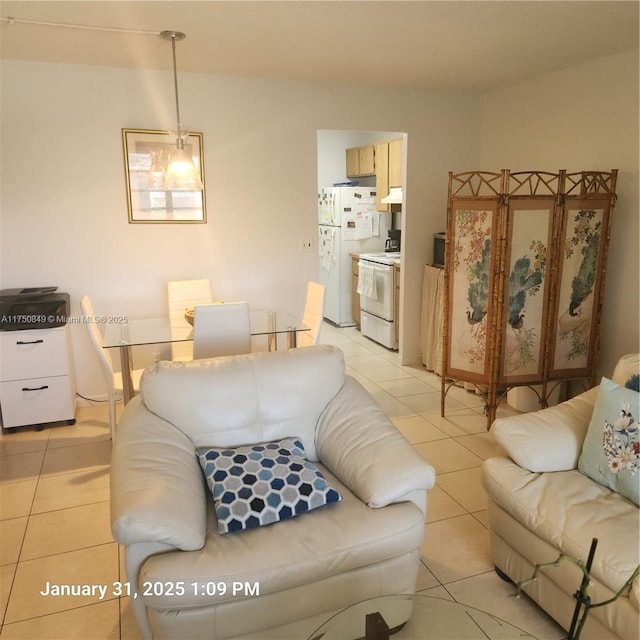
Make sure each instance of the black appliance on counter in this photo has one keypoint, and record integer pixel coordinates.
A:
(33, 308)
(392, 244)
(438, 249)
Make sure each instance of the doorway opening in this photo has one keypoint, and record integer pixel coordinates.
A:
(356, 172)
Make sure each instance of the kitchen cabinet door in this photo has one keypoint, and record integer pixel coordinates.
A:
(367, 159)
(361, 161)
(395, 163)
(382, 175)
(353, 162)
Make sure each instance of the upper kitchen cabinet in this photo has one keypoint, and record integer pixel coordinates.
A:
(388, 170)
(395, 163)
(361, 161)
(382, 175)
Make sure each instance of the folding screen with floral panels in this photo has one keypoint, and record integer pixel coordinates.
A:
(525, 264)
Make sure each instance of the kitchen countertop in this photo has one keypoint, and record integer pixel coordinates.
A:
(390, 258)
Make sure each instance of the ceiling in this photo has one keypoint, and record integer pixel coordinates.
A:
(479, 44)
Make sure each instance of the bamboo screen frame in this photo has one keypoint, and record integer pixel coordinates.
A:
(516, 243)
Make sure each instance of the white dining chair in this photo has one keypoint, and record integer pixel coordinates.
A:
(221, 329)
(313, 315)
(111, 377)
(185, 294)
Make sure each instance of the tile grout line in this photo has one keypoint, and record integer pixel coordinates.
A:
(24, 535)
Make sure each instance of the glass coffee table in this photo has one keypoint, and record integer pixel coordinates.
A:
(431, 619)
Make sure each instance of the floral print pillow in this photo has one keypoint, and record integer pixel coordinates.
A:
(611, 450)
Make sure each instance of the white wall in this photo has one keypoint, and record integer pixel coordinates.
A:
(583, 118)
(63, 207)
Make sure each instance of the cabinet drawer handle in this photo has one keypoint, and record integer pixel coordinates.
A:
(29, 341)
(44, 386)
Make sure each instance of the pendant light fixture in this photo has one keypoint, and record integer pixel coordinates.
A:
(182, 174)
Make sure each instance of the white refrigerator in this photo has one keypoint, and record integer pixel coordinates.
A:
(347, 223)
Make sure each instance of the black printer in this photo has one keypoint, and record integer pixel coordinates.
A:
(33, 308)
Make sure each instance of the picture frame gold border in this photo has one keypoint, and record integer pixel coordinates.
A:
(194, 138)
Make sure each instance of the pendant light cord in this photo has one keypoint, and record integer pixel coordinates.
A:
(175, 84)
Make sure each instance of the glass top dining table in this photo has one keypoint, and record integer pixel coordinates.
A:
(146, 331)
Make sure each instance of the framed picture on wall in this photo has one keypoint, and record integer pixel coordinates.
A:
(150, 199)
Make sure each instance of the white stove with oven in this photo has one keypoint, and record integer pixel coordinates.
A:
(376, 286)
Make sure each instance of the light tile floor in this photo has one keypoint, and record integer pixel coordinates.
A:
(54, 509)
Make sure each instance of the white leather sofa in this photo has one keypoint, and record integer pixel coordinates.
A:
(187, 580)
(540, 504)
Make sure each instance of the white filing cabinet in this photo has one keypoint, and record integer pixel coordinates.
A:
(37, 384)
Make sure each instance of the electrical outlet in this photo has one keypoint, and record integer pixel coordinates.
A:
(306, 246)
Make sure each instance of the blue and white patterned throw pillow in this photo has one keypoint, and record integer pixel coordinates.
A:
(260, 484)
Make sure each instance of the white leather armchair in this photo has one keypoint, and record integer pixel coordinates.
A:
(276, 581)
